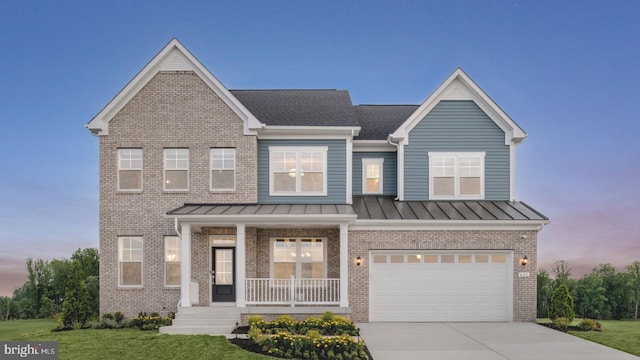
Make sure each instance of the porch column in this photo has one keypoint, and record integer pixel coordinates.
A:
(185, 266)
(240, 264)
(344, 265)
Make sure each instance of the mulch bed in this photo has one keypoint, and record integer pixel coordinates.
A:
(249, 345)
(564, 330)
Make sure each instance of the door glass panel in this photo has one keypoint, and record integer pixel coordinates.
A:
(447, 259)
(430, 259)
(464, 259)
(224, 267)
(396, 259)
(499, 259)
(482, 259)
(380, 259)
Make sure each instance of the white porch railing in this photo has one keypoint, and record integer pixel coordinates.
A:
(267, 291)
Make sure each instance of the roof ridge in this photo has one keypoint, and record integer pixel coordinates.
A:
(288, 90)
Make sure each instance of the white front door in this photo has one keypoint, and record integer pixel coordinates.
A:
(422, 286)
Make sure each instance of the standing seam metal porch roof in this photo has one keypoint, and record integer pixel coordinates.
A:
(376, 208)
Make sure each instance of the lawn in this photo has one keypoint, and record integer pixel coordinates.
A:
(618, 334)
(130, 344)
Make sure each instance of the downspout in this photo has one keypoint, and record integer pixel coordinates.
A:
(176, 228)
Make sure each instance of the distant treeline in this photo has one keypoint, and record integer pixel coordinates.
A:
(42, 296)
(602, 294)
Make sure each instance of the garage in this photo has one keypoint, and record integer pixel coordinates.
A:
(444, 286)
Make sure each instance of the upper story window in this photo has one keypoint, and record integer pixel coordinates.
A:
(130, 169)
(372, 176)
(298, 171)
(223, 169)
(130, 261)
(176, 169)
(457, 175)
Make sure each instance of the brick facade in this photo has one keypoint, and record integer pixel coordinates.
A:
(524, 288)
(175, 109)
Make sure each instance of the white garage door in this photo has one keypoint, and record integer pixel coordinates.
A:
(440, 286)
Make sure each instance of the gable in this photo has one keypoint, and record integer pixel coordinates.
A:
(459, 86)
(173, 57)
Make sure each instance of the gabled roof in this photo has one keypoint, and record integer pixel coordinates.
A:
(299, 107)
(459, 86)
(378, 121)
(173, 57)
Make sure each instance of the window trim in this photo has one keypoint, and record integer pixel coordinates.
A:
(298, 266)
(120, 239)
(164, 173)
(167, 237)
(141, 169)
(211, 168)
(456, 194)
(298, 150)
(369, 161)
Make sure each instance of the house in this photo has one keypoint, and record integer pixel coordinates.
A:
(298, 202)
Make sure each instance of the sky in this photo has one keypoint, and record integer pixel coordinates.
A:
(566, 71)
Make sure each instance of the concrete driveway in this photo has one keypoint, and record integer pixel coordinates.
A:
(479, 341)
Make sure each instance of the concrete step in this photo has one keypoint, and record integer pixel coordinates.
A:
(192, 330)
(220, 316)
(204, 322)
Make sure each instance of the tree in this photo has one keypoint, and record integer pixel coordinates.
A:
(60, 269)
(634, 273)
(590, 299)
(76, 308)
(618, 292)
(89, 260)
(562, 271)
(545, 285)
(561, 304)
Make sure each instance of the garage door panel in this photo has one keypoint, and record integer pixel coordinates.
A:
(423, 288)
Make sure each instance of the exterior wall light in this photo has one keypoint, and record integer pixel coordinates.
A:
(524, 261)
(358, 261)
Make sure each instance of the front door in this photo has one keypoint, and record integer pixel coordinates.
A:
(223, 274)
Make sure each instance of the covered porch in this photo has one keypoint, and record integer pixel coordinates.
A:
(264, 257)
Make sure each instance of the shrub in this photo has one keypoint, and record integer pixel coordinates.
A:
(587, 325)
(118, 316)
(107, 316)
(598, 326)
(561, 304)
(254, 319)
(149, 322)
(76, 309)
(305, 346)
(327, 316)
(562, 323)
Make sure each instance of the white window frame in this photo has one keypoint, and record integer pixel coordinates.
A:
(298, 150)
(298, 267)
(372, 161)
(120, 168)
(211, 169)
(456, 195)
(179, 251)
(120, 249)
(175, 160)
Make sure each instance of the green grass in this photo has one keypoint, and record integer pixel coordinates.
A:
(618, 334)
(130, 344)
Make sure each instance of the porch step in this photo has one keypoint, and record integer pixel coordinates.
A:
(204, 320)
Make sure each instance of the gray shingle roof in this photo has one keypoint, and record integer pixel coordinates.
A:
(299, 107)
(386, 208)
(378, 121)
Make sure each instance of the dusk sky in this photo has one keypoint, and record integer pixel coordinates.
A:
(568, 72)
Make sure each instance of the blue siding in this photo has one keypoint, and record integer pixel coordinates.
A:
(456, 125)
(389, 169)
(336, 172)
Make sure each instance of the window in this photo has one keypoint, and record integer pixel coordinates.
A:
(298, 171)
(176, 169)
(372, 176)
(172, 261)
(301, 257)
(129, 261)
(130, 169)
(223, 169)
(456, 175)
